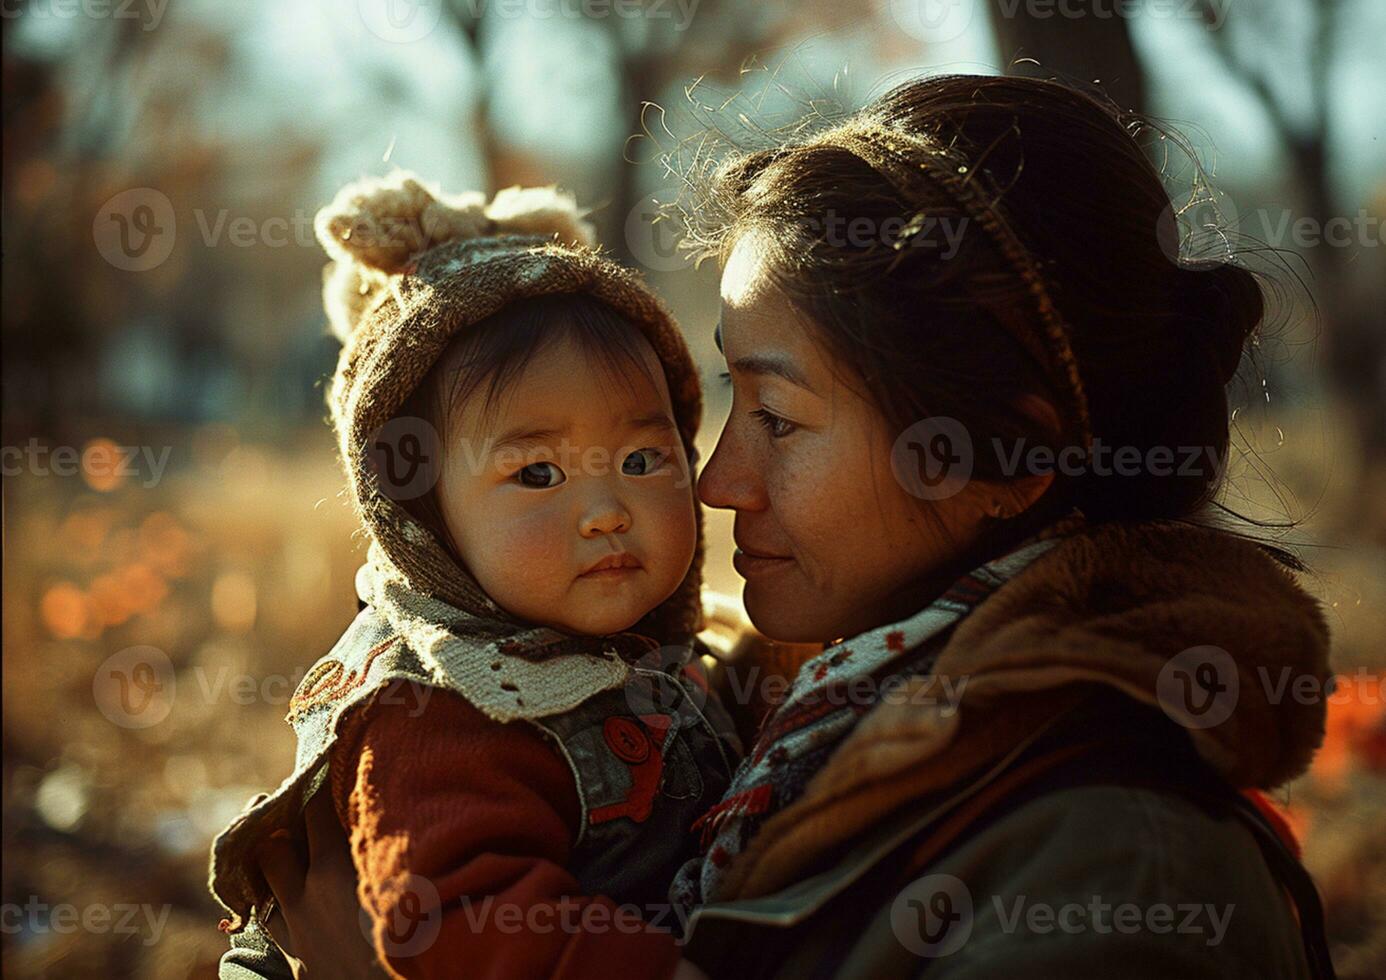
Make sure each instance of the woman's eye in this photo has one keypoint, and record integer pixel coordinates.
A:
(776, 426)
(540, 475)
(642, 462)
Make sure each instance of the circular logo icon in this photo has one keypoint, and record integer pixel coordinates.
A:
(415, 921)
(653, 239)
(1199, 227)
(1198, 687)
(932, 916)
(134, 688)
(135, 230)
(935, 21)
(667, 682)
(400, 21)
(932, 459)
(404, 454)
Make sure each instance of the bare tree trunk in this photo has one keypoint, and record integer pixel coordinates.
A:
(1090, 48)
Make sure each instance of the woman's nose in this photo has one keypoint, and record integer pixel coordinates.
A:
(728, 479)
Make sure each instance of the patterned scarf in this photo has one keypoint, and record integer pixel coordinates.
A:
(827, 698)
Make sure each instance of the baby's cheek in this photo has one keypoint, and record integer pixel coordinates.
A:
(673, 528)
(526, 551)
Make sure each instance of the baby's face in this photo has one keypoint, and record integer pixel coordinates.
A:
(576, 469)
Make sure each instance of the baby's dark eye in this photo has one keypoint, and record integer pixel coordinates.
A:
(540, 475)
(642, 462)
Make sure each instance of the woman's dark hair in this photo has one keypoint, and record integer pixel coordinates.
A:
(918, 315)
(486, 358)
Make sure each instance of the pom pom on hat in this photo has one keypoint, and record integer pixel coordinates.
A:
(540, 211)
(376, 227)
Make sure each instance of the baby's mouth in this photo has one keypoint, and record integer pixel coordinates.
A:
(613, 566)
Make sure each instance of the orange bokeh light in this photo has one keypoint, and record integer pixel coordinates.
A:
(102, 465)
(65, 611)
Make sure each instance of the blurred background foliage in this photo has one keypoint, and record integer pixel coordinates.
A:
(169, 476)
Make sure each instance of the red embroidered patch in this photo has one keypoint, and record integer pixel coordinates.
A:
(330, 681)
(633, 745)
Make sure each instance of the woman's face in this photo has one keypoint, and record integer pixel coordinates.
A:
(829, 542)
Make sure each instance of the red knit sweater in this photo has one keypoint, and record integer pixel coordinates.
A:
(428, 786)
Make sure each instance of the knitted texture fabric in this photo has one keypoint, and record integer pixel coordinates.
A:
(413, 270)
(820, 711)
(403, 635)
(1099, 617)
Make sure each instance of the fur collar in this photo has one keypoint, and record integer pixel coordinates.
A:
(1106, 609)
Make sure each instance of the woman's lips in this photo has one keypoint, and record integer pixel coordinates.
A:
(749, 564)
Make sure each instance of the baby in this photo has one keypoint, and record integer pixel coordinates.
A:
(513, 731)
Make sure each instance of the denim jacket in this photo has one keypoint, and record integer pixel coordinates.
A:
(647, 757)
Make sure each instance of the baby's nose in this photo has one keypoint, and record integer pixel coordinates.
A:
(606, 518)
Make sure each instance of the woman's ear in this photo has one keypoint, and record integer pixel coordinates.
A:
(1042, 412)
(1017, 492)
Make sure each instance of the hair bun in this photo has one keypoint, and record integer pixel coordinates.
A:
(1225, 305)
(376, 227)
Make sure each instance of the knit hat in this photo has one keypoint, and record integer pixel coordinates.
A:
(412, 269)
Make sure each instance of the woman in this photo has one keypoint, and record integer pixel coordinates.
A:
(978, 416)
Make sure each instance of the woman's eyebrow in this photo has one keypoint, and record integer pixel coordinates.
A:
(773, 364)
(717, 338)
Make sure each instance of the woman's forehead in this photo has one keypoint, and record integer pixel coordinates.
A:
(765, 322)
(746, 275)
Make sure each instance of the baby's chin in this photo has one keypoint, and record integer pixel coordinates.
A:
(599, 615)
(601, 607)
(600, 622)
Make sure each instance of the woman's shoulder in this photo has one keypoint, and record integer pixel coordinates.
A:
(1100, 877)
(1133, 841)
(1095, 881)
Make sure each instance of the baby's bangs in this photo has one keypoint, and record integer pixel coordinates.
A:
(494, 352)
